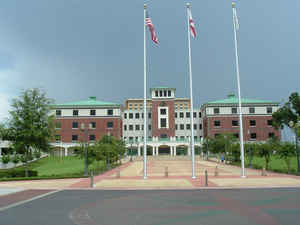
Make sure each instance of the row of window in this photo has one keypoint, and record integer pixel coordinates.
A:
(177, 138)
(137, 127)
(187, 126)
(92, 137)
(109, 112)
(251, 110)
(235, 123)
(187, 115)
(136, 115)
(92, 125)
(161, 93)
(253, 136)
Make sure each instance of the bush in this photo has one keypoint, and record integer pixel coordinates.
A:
(5, 159)
(37, 154)
(15, 159)
(17, 173)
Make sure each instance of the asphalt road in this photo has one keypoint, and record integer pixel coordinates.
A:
(201, 207)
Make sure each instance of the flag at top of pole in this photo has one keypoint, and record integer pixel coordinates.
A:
(191, 22)
(149, 24)
(236, 20)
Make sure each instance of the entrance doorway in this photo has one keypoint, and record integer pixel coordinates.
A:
(164, 150)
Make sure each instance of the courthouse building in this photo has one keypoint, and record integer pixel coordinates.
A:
(168, 122)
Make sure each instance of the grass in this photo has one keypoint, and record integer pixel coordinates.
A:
(276, 164)
(60, 167)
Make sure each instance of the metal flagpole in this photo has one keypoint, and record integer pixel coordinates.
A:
(145, 86)
(239, 88)
(191, 95)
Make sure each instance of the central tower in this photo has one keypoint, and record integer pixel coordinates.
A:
(163, 122)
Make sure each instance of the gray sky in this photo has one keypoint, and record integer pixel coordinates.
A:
(74, 49)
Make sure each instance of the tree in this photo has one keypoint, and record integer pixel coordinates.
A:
(30, 126)
(286, 151)
(265, 150)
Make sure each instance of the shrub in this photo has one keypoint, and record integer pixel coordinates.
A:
(5, 159)
(37, 154)
(15, 159)
(17, 173)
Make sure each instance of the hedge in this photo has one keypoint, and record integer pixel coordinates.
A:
(17, 173)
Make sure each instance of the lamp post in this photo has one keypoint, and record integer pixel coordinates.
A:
(85, 131)
(295, 128)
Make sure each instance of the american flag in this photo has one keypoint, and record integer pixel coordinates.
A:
(192, 25)
(151, 28)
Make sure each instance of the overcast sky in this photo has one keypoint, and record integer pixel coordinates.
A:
(74, 49)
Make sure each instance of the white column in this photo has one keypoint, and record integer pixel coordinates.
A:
(66, 151)
(153, 151)
(0, 152)
(139, 150)
(171, 150)
(174, 150)
(189, 150)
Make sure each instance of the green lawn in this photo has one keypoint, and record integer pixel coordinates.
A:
(62, 166)
(276, 164)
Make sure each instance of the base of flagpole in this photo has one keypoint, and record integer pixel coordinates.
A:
(193, 177)
(243, 176)
(145, 178)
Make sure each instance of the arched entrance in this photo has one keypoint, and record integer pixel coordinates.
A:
(164, 150)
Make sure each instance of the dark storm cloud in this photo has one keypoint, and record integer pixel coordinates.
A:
(75, 49)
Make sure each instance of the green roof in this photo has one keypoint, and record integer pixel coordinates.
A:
(92, 101)
(232, 99)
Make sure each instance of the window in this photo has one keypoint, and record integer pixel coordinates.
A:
(92, 137)
(57, 138)
(149, 115)
(176, 127)
(74, 125)
(125, 127)
(194, 114)
(181, 126)
(233, 110)
(130, 115)
(195, 126)
(130, 138)
(235, 123)
(137, 115)
(216, 110)
(163, 136)
(200, 126)
(92, 112)
(74, 137)
(110, 124)
(200, 114)
(181, 137)
(125, 115)
(57, 125)
(165, 93)
(271, 135)
(92, 125)
(136, 138)
(163, 111)
(130, 127)
(195, 137)
(270, 122)
(176, 115)
(149, 127)
(75, 112)
(217, 123)
(169, 93)
(110, 112)
(269, 110)
(142, 115)
(137, 127)
(188, 126)
(251, 110)
(187, 115)
(142, 127)
(156, 93)
(253, 136)
(58, 112)
(181, 115)
(236, 135)
(163, 122)
(252, 123)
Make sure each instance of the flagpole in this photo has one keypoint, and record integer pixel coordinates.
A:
(145, 93)
(239, 89)
(191, 95)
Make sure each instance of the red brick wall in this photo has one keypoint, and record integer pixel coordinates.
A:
(170, 132)
(261, 129)
(101, 129)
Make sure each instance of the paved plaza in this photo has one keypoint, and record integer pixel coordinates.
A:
(153, 207)
(179, 177)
